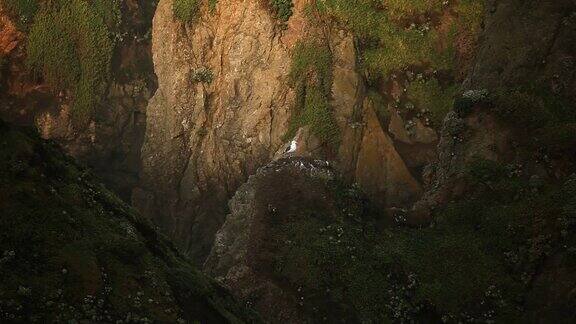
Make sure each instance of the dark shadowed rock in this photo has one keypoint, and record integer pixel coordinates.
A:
(73, 252)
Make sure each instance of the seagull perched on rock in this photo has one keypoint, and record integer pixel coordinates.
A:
(292, 148)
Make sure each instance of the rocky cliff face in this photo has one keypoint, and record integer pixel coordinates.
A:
(203, 139)
(358, 142)
(517, 92)
(111, 139)
(241, 257)
(491, 238)
(229, 100)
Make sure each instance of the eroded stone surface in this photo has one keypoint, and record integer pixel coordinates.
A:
(204, 139)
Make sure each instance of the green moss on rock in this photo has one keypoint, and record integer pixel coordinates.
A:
(404, 33)
(341, 260)
(282, 9)
(311, 75)
(429, 96)
(69, 45)
(542, 120)
(186, 10)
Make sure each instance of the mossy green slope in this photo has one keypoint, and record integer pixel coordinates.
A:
(405, 33)
(71, 251)
(70, 47)
(400, 38)
(479, 262)
(311, 76)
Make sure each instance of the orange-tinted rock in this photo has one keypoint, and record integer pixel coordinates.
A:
(380, 170)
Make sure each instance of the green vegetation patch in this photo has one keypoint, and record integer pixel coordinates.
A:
(491, 243)
(429, 96)
(202, 75)
(311, 76)
(425, 37)
(532, 107)
(282, 9)
(212, 5)
(404, 33)
(69, 45)
(186, 10)
(24, 10)
(110, 11)
(544, 120)
(477, 263)
(335, 265)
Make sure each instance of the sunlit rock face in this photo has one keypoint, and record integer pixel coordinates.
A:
(224, 106)
(204, 138)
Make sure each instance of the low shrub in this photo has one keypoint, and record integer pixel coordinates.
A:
(463, 104)
(202, 75)
(531, 107)
(185, 10)
(546, 120)
(282, 9)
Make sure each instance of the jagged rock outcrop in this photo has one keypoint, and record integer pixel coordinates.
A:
(380, 170)
(537, 49)
(518, 111)
(206, 136)
(203, 139)
(72, 251)
(246, 254)
(463, 141)
(499, 199)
